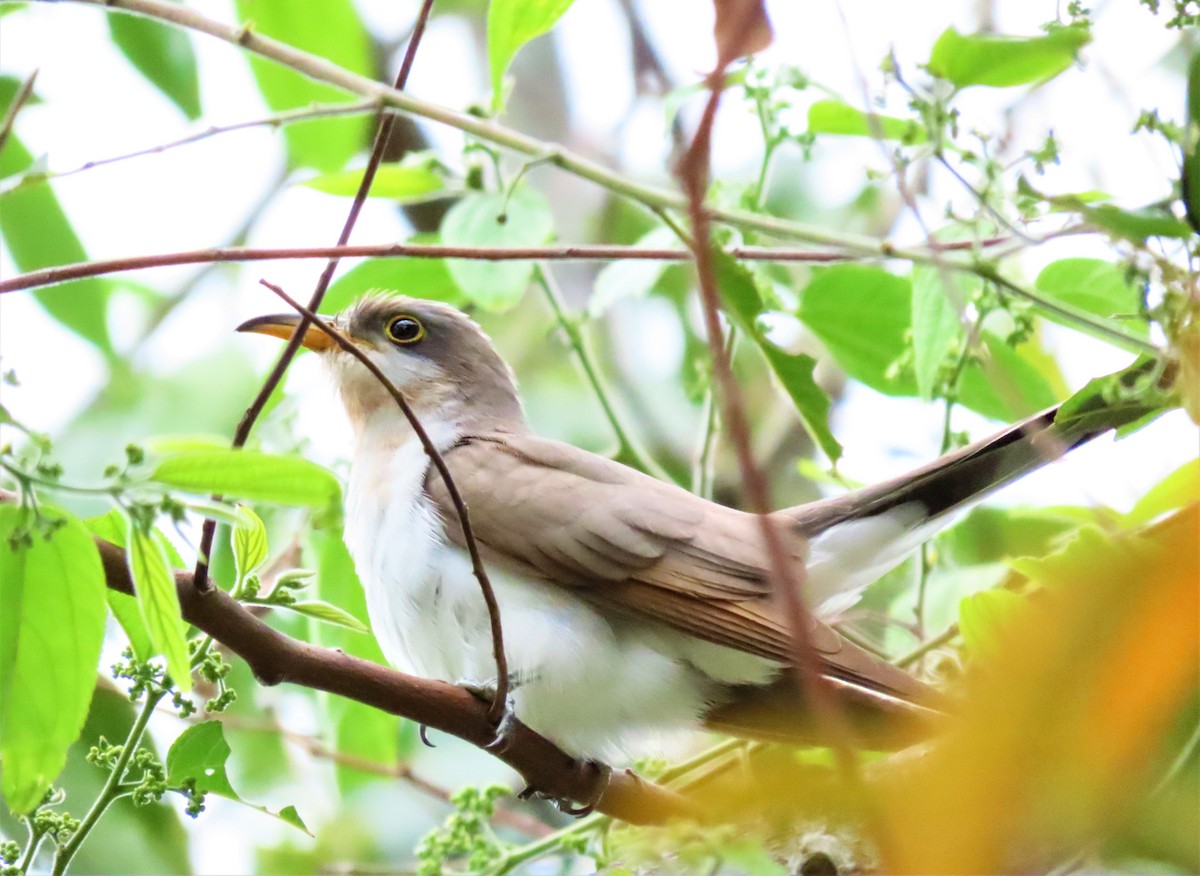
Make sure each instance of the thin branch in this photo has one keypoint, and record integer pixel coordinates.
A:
(943, 638)
(275, 120)
(111, 790)
(627, 449)
(500, 700)
(383, 130)
(576, 252)
(404, 772)
(653, 198)
(323, 70)
(19, 100)
(785, 575)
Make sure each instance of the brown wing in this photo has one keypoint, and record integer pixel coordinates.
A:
(634, 544)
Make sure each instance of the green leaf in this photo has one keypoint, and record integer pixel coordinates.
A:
(983, 617)
(1003, 61)
(743, 302)
(397, 182)
(1135, 225)
(1008, 384)
(992, 535)
(159, 602)
(489, 219)
(936, 327)
(112, 527)
(1181, 487)
(161, 53)
(835, 117)
(39, 235)
(1125, 401)
(249, 539)
(199, 754)
(630, 278)
(330, 614)
(251, 475)
(862, 315)
(125, 609)
(419, 277)
(51, 629)
(1094, 286)
(1190, 183)
(330, 29)
(510, 25)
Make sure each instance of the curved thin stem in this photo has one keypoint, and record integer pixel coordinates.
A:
(275, 120)
(383, 132)
(112, 786)
(627, 449)
(500, 701)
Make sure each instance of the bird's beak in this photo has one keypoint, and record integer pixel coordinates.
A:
(283, 325)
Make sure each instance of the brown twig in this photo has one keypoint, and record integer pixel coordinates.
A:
(383, 130)
(19, 100)
(499, 701)
(404, 772)
(573, 252)
(275, 120)
(784, 575)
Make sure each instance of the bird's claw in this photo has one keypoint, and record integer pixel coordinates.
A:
(508, 718)
(604, 772)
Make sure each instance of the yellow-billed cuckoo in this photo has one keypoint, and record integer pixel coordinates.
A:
(627, 603)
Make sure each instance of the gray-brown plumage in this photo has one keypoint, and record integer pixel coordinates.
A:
(626, 601)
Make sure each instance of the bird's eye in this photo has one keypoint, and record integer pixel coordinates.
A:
(405, 329)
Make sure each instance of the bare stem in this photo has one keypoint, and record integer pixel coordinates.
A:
(627, 449)
(19, 100)
(383, 131)
(275, 120)
(571, 252)
(112, 786)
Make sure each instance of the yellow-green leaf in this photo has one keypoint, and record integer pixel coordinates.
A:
(155, 588)
(1001, 61)
(52, 613)
(249, 474)
(510, 25)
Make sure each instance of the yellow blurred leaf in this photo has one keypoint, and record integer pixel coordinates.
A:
(1062, 726)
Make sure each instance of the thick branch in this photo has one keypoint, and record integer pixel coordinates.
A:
(275, 659)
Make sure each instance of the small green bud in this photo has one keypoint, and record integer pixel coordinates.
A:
(295, 579)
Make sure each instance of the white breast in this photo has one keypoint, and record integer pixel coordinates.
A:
(582, 681)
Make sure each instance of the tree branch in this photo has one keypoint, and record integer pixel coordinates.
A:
(277, 659)
(323, 70)
(274, 120)
(577, 252)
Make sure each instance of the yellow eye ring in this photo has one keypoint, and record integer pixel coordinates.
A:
(404, 329)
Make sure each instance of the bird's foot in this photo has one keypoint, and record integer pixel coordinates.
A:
(507, 722)
(603, 777)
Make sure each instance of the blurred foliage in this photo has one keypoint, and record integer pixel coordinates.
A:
(1064, 635)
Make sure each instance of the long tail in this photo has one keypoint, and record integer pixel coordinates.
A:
(857, 537)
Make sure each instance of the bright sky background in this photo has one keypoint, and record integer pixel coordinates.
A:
(98, 106)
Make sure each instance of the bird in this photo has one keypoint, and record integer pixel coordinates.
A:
(629, 605)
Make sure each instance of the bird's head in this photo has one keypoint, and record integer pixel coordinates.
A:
(437, 356)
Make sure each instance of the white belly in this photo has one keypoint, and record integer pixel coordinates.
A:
(578, 679)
